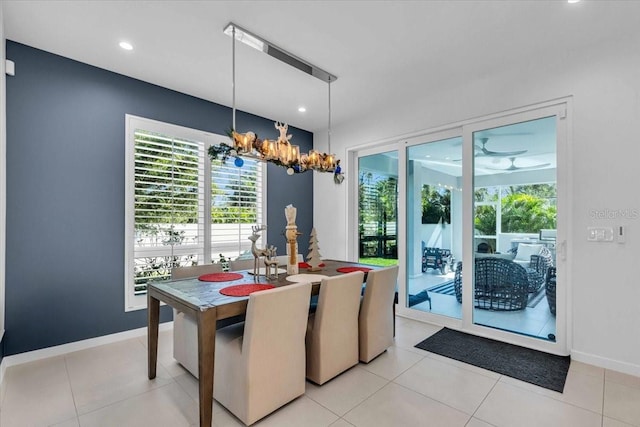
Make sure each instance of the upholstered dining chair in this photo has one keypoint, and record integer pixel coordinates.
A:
(376, 319)
(332, 331)
(194, 271)
(261, 367)
(185, 330)
(241, 264)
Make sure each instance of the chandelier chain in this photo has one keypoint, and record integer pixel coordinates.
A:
(233, 75)
(329, 125)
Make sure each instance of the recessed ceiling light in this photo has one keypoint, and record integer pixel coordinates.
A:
(573, 1)
(427, 156)
(302, 109)
(126, 45)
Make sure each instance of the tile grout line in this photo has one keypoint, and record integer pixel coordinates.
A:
(484, 399)
(73, 395)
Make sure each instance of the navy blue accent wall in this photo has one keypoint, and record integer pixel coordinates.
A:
(65, 193)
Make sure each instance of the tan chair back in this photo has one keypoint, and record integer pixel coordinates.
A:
(242, 264)
(269, 314)
(332, 333)
(262, 369)
(376, 313)
(194, 271)
(185, 332)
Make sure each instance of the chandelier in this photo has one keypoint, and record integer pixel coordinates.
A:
(278, 151)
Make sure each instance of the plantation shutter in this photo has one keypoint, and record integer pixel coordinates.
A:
(236, 206)
(168, 205)
(181, 208)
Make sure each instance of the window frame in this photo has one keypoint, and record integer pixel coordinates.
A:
(205, 140)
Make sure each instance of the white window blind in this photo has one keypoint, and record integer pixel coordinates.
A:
(175, 216)
(168, 205)
(236, 205)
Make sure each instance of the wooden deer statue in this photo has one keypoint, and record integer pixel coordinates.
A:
(257, 252)
(271, 262)
(283, 128)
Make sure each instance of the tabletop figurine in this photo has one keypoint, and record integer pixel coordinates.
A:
(291, 234)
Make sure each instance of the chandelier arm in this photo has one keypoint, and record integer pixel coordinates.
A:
(329, 124)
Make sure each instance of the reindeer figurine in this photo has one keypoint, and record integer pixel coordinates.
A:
(257, 252)
(283, 128)
(271, 262)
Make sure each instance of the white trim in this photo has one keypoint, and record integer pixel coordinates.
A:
(3, 174)
(606, 363)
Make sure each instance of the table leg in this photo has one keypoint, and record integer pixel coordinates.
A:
(206, 359)
(153, 320)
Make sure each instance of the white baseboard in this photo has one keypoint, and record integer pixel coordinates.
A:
(603, 362)
(30, 356)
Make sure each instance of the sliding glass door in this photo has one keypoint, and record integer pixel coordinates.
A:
(514, 226)
(478, 224)
(378, 208)
(434, 226)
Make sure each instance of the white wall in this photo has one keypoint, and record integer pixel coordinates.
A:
(603, 81)
(3, 167)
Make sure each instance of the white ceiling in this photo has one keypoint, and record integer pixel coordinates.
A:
(381, 51)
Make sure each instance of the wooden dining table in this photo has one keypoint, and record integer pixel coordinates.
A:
(204, 302)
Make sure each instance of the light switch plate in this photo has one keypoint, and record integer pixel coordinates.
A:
(600, 234)
(10, 67)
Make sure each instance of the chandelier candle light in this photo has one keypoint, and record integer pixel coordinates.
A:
(280, 152)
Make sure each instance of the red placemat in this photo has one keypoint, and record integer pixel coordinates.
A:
(352, 269)
(220, 277)
(306, 265)
(244, 290)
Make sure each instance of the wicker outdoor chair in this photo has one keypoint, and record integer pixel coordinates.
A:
(500, 284)
(542, 262)
(550, 289)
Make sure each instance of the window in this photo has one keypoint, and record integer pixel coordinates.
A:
(377, 213)
(181, 208)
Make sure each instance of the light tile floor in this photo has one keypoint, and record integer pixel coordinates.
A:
(405, 386)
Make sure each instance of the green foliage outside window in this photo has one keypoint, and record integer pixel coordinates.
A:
(236, 204)
(377, 216)
(524, 209)
(485, 220)
(436, 205)
(524, 213)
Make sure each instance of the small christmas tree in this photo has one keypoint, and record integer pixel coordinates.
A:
(313, 258)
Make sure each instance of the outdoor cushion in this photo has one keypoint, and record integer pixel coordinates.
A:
(525, 250)
(508, 256)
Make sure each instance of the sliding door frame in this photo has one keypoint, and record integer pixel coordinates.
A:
(561, 108)
(427, 138)
(353, 239)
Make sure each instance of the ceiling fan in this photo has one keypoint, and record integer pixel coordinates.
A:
(483, 151)
(513, 167)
